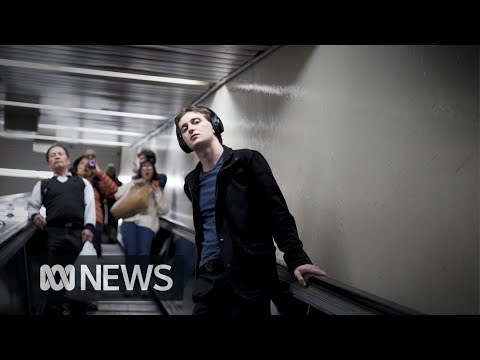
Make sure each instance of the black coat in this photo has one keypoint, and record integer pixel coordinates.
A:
(249, 210)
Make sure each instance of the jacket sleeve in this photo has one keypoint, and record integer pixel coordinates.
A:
(107, 186)
(90, 212)
(161, 202)
(35, 201)
(284, 229)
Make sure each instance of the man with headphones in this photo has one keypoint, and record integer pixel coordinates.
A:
(237, 209)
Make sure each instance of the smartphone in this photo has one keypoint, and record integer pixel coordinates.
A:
(92, 163)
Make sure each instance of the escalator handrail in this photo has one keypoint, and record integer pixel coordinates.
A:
(362, 298)
(373, 303)
(16, 241)
(382, 305)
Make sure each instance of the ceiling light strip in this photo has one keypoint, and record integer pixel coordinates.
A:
(92, 130)
(23, 136)
(81, 110)
(86, 129)
(104, 73)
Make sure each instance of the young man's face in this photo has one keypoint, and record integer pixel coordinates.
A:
(58, 159)
(196, 130)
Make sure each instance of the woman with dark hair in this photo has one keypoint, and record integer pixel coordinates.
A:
(138, 230)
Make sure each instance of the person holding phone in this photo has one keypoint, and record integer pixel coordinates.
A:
(104, 187)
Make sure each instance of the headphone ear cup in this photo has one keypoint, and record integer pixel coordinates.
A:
(217, 123)
(182, 143)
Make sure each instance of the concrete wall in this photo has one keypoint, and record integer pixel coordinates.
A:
(376, 151)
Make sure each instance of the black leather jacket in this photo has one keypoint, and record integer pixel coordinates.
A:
(250, 210)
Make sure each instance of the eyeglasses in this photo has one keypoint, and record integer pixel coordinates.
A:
(147, 167)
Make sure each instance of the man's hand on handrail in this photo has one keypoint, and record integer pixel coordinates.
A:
(307, 269)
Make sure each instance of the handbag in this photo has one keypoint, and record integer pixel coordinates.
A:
(134, 201)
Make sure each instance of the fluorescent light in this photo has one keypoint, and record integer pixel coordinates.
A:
(81, 110)
(85, 129)
(26, 173)
(114, 74)
(94, 130)
(11, 135)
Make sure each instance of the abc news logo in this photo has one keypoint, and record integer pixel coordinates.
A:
(102, 277)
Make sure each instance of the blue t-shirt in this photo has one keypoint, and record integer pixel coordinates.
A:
(208, 180)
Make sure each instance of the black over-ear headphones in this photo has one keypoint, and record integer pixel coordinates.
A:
(217, 127)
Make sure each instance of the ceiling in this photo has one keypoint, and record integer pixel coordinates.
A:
(108, 95)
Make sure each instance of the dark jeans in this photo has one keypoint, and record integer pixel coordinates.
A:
(137, 241)
(214, 297)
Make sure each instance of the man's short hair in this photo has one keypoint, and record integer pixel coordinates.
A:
(149, 155)
(207, 112)
(56, 145)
